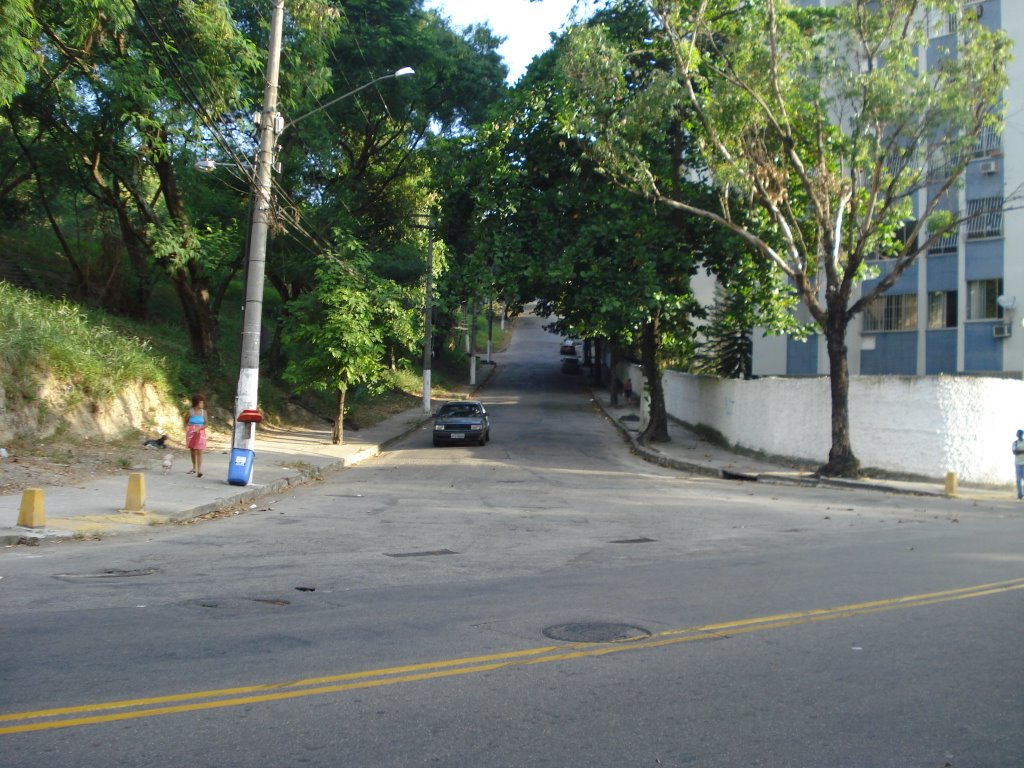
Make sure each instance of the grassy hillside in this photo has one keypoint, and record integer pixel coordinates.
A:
(93, 355)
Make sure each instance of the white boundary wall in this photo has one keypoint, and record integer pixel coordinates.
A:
(925, 426)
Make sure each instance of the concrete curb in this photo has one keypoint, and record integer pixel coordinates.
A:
(670, 462)
(242, 497)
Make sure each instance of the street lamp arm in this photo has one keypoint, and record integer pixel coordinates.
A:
(398, 73)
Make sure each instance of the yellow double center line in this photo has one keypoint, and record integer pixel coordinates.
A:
(131, 709)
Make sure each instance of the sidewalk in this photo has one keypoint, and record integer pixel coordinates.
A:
(689, 452)
(286, 458)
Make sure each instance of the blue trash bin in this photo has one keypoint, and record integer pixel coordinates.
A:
(240, 466)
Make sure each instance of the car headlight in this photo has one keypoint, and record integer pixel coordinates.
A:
(476, 426)
(439, 427)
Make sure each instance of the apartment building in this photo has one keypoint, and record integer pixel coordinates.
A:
(960, 308)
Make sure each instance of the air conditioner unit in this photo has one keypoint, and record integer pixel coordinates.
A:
(975, 9)
(989, 166)
(1002, 331)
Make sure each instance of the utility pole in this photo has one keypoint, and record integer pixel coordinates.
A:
(243, 438)
(472, 345)
(490, 327)
(428, 316)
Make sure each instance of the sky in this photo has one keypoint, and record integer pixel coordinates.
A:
(526, 25)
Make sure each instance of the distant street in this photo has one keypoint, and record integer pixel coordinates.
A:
(548, 599)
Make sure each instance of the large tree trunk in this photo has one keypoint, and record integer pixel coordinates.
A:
(841, 461)
(199, 319)
(339, 418)
(656, 430)
(137, 285)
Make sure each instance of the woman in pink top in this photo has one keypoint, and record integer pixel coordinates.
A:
(195, 433)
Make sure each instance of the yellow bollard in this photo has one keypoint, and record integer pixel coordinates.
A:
(951, 488)
(135, 501)
(32, 514)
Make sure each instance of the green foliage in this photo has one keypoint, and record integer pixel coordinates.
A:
(78, 346)
(110, 105)
(333, 330)
(727, 350)
(826, 141)
(805, 113)
(17, 29)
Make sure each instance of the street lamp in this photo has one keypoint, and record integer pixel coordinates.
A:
(271, 123)
(397, 73)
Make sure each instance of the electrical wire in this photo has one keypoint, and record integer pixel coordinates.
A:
(181, 82)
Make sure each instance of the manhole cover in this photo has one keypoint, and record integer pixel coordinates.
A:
(595, 632)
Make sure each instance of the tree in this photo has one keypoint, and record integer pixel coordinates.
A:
(113, 98)
(606, 263)
(334, 331)
(728, 348)
(824, 120)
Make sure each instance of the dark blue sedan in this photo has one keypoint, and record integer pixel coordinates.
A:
(461, 421)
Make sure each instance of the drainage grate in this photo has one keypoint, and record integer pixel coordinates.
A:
(641, 540)
(596, 632)
(746, 476)
(429, 553)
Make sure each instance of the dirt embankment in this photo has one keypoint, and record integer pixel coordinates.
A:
(53, 440)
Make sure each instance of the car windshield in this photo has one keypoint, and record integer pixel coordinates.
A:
(459, 410)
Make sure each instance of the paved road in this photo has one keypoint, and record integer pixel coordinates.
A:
(545, 600)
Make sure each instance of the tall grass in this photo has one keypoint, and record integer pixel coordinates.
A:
(41, 336)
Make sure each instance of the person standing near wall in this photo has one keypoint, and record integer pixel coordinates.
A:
(1018, 461)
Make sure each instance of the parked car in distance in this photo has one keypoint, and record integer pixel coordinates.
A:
(570, 364)
(462, 421)
(568, 347)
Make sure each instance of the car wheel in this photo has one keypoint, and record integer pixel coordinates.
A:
(437, 443)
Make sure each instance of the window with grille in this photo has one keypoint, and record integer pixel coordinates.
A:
(983, 299)
(892, 313)
(946, 244)
(984, 218)
(989, 142)
(902, 236)
(942, 309)
(949, 23)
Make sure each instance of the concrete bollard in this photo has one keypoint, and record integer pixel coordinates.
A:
(135, 501)
(32, 513)
(951, 486)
